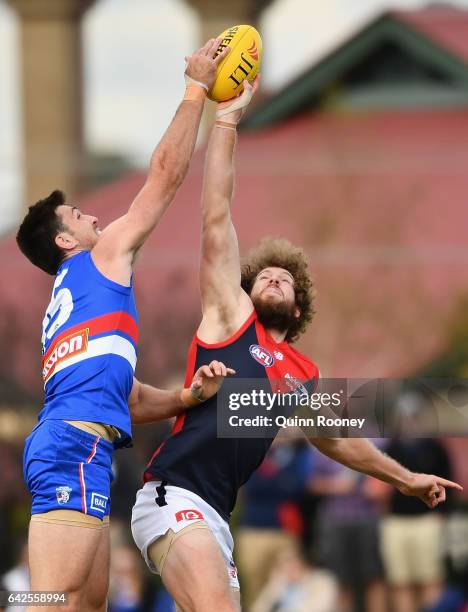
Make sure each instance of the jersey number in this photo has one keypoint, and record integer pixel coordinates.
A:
(58, 311)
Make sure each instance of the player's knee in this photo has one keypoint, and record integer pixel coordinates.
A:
(95, 606)
(94, 602)
(94, 598)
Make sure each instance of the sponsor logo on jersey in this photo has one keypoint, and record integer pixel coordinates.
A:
(278, 355)
(63, 494)
(232, 569)
(188, 515)
(99, 502)
(295, 384)
(261, 355)
(67, 347)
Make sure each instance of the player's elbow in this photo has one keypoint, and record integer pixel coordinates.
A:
(168, 170)
(216, 220)
(214, 239)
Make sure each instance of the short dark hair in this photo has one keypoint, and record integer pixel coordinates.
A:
(36, 234)
(280, 253)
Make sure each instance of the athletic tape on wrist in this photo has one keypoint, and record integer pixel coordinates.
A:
(195, 93)
(239, 103)
(225, 125)
(190, 81)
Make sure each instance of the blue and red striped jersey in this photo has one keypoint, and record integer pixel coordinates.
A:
(89, 347)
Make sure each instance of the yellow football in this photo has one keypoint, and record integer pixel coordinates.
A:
(242, 62)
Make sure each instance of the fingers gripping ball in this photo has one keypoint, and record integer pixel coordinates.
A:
(242, 62)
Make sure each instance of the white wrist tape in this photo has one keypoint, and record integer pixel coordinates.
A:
(190, 81)
(239, 103)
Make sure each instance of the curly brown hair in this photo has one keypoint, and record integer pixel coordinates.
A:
(280, 253)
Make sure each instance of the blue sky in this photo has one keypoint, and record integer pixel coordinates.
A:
(133, 61)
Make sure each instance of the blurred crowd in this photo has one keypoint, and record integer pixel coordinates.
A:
(311, 535)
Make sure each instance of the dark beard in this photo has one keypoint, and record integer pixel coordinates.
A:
(276, 315)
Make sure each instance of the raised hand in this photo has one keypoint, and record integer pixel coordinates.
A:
(208, 379)
(201, 65)
(231, 111)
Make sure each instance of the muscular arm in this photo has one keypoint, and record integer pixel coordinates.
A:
(119, 242)
(225, 305)
(223, 311)
(148, 404)
(361, 455)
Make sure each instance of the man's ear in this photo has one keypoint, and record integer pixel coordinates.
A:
(297, 312)
(65, 241)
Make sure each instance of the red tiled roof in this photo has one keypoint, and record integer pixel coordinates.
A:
(379, 202)
(446, 26)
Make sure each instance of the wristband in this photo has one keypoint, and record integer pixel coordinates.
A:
(195, 93)
(190, 81)
(226, 125)
(189, 399)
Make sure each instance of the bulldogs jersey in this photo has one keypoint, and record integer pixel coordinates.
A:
(89, 347)
(194, 458)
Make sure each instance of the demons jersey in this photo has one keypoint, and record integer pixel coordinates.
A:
(89, 347)
(193, 457)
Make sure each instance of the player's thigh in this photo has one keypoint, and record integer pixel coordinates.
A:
(195, 573)
(61, 555)
(95, 591)
(235, 595)
(237, 598)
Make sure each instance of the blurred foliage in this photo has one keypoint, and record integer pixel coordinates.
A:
(453, 361)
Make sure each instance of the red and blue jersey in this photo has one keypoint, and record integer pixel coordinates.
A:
(89, 347)
(194, 457)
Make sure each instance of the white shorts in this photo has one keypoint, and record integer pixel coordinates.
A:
(151, 521)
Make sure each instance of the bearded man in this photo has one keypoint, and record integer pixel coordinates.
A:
(251, 317)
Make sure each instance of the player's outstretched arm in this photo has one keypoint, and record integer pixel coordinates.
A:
(148, 404)
(225, 305)
(119, 242)
(361, 455)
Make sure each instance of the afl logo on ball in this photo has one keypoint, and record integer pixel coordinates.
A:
(261, 355)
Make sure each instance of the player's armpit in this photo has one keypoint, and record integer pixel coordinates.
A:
(220, 323)
(123, 237)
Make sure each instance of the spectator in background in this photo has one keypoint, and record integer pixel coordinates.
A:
(348, 535)
(17, 578)
(126, 589)
(455, 595)
(271, 518)
(412, 534)
(294, 586)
